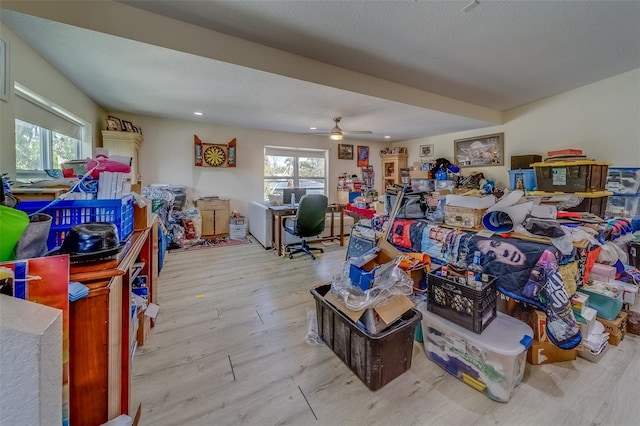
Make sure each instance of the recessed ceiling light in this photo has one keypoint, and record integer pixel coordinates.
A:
(387, 137)
(313, 128)
(197, 113)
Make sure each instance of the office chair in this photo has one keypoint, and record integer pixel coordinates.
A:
(309, 222)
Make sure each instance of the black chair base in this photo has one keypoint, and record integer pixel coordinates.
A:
(303, 248)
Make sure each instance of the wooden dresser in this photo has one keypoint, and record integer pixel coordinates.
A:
(102, 338)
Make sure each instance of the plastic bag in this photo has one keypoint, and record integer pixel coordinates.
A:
(390, 281)
(413, 205)
(611, 253)
(312, 337)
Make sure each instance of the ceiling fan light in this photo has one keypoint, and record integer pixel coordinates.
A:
(336, 133)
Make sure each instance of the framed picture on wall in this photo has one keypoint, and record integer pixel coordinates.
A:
(345, 151)
(363, 156)
(426, 151)
(479, 151)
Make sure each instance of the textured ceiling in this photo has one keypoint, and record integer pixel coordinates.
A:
(499, 55)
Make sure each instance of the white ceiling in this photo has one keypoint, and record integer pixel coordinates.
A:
(407, 69)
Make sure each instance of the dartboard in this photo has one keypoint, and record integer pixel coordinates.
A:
(214, 156)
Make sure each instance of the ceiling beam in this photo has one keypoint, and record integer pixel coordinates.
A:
(125, 21)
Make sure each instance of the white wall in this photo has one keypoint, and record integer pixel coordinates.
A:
(167, 157)
(31, 360)
(33, 71)
(602, 119)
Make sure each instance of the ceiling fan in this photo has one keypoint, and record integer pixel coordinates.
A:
(336, 133)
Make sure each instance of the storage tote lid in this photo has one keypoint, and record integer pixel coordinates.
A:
(505, 335)
(570, 163)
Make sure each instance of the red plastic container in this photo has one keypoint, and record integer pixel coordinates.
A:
(567, 151)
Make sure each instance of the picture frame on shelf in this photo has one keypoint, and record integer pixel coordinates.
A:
(116, 121)
(112, 125)
(345, 151)
(127, 126)
(427, 151)
(363, 156)
(479, 151)
(137, 129)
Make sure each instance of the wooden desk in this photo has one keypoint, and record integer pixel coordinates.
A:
(101, 334)
(279, 212)
(38, 193)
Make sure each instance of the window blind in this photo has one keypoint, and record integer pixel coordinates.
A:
(293, 152)
(48, 119)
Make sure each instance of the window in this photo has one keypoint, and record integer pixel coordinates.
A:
(46, 135)
(294, 168)
(38, 148)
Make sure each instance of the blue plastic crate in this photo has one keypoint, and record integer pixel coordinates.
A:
(67, 213)
(528, 178)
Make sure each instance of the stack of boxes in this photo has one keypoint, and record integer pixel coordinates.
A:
(584, 178)
(237, 227)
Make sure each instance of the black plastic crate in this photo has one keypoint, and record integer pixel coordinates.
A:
(376, 359)
(469, 308)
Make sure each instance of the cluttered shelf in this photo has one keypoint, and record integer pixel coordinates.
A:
(100, 390)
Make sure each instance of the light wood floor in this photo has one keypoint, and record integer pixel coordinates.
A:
(228, 349)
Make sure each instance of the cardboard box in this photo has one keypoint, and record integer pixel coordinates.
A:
(547, 353)
(237, 232)
(633, 322)
(144, 327)
(237, 220)
(579, 301)
(142, 216)
(419, 174)
(538, 322)
(616, 328)
(590, 356)
(463, 217)
(470, 202)
(376, 319)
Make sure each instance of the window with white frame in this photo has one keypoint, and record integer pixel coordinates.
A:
(46, 135)
(294, 168)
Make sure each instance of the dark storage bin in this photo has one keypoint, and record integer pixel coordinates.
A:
(376, 359)
(634, 253)
(596, 205)
(524, 161)
(469, 308)
(571, 176)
